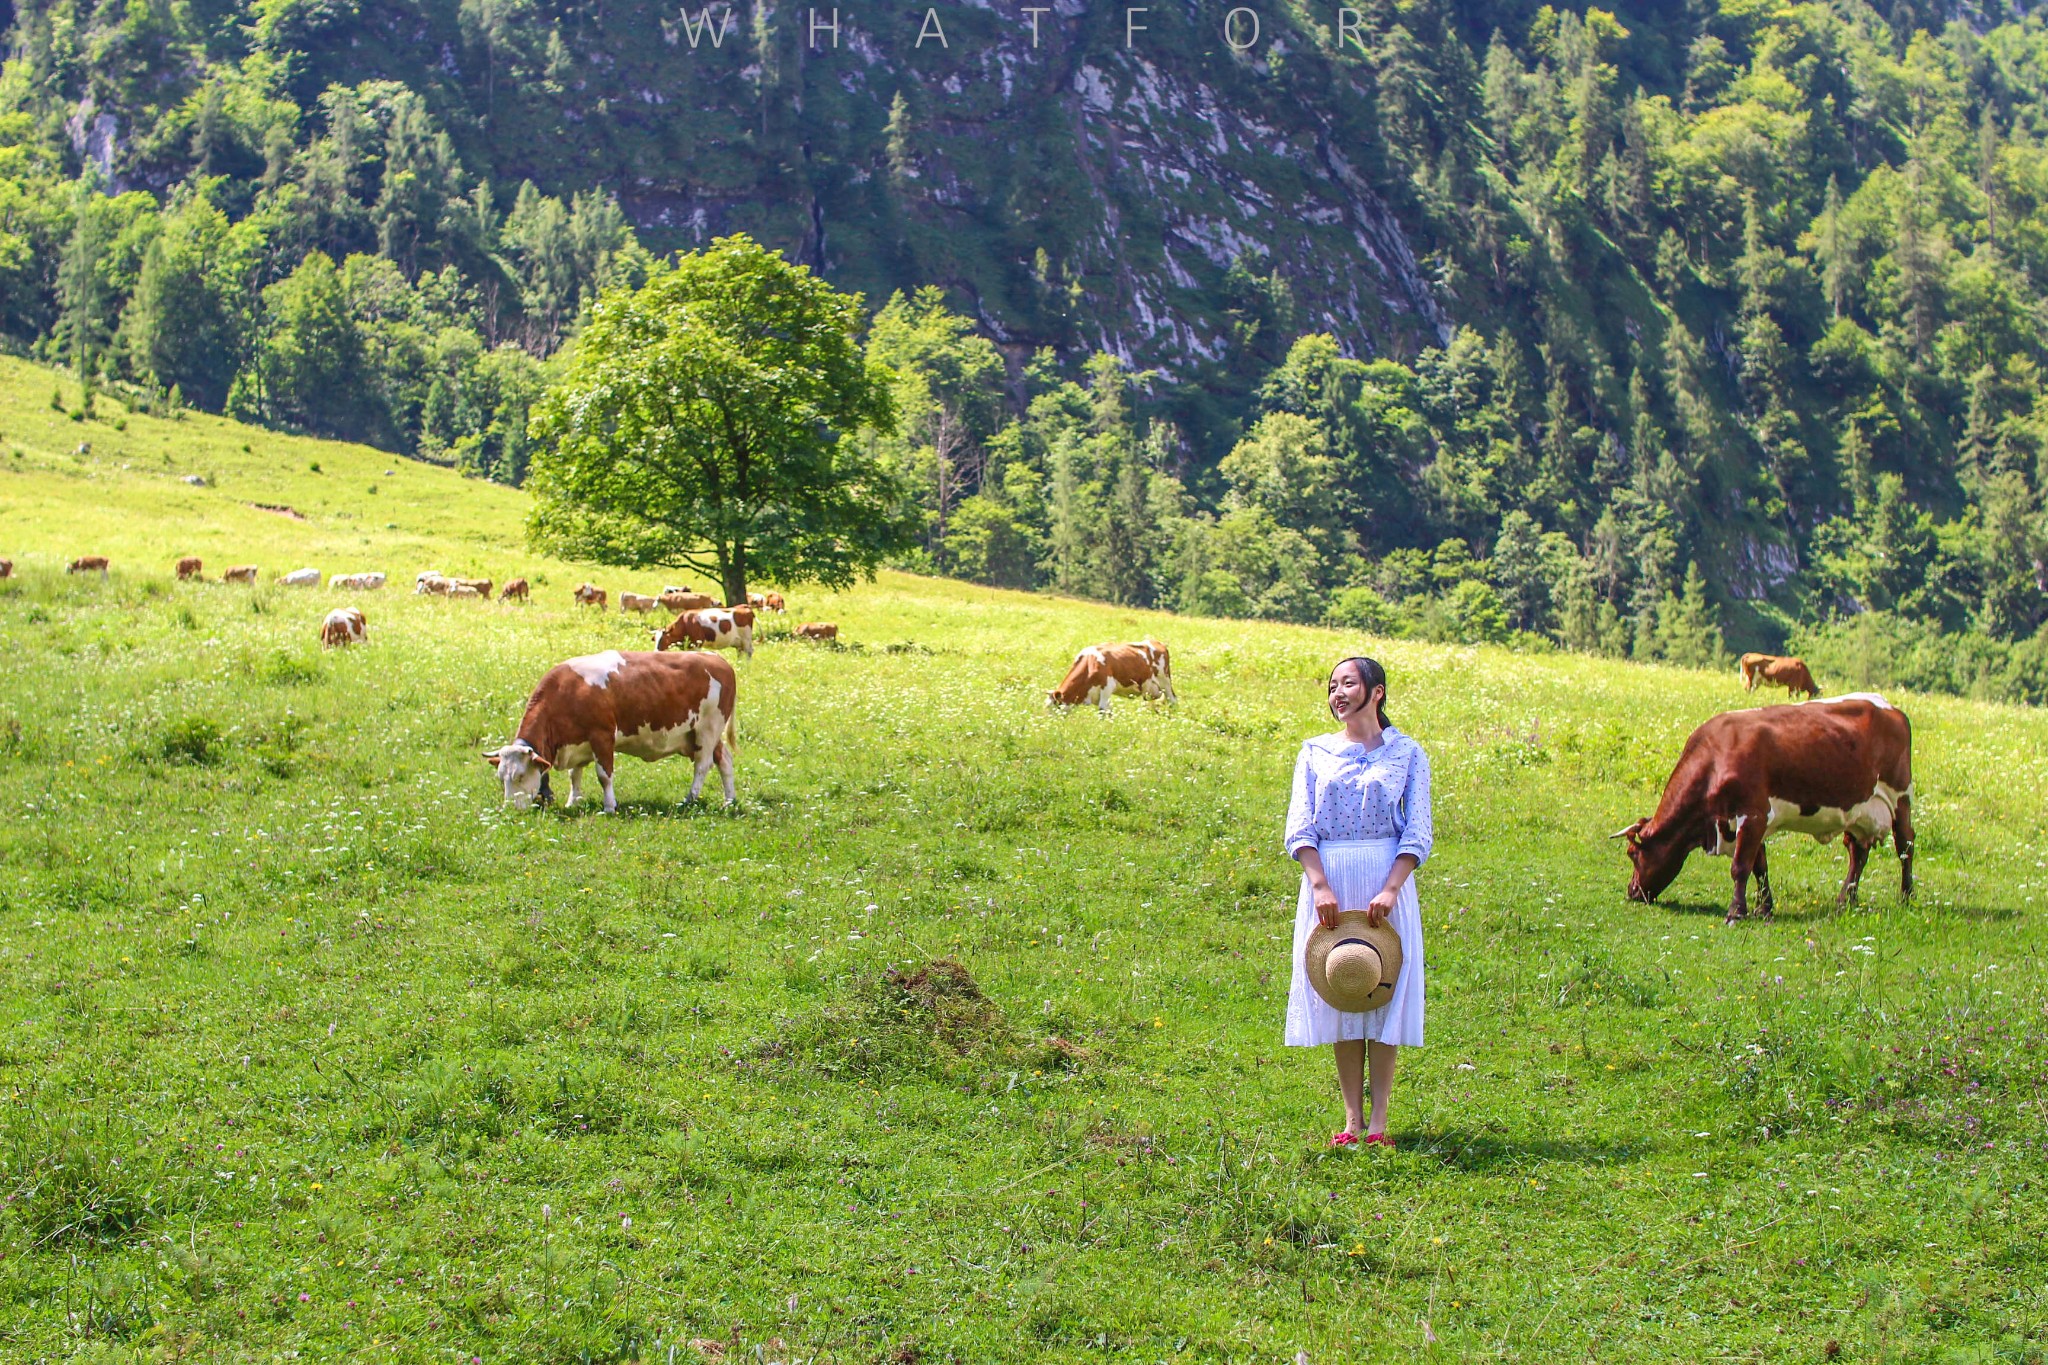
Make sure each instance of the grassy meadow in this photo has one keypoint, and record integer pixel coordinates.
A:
(310, 1050)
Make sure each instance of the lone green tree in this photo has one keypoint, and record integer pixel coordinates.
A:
(708, 420)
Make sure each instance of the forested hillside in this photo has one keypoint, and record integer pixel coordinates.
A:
(1652, 332)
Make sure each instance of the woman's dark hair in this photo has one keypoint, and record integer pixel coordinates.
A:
(1372, 675)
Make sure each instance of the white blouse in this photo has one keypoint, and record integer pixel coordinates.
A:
(1343, 790)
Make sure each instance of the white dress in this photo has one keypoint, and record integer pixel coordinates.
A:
(1360, 809)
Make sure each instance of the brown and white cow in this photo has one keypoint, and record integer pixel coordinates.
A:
(188, 568)
(635, 601)
(1790, 674)
(817, 630)
(344, 626)
(463, 590)
(481, 586)
(358, 582)
(645, 703)
(1099, 672)
(1843, 766)
(516, 588)
(590, 595)
(729, 628)
(88, 564)
(430, 582)
(240, 573)
(682, 599)
(6, 568)
(766, 601)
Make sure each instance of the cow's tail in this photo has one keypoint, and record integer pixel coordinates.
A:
(731, 737)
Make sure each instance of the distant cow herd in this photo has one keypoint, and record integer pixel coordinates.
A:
(1834, 768)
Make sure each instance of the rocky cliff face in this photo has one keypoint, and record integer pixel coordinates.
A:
(1084, 176)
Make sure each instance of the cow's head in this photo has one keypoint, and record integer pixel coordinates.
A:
(1656, 860)
(523, 773)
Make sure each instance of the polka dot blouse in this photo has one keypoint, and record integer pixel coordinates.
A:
(1343, 790)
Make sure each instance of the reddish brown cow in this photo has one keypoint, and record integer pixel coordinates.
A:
(732, 628)
(1787, 673)
(88, 564)
(1843, 766)
(6, 568)
(590, 595)
(1099, 672)
(651, 705)
(817, 630)
(682, 599)
(516, 588)
(188, 568)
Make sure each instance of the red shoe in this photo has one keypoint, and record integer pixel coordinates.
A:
(1379, 1140)
(1344, 1140)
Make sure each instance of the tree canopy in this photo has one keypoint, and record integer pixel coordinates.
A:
(708, 420)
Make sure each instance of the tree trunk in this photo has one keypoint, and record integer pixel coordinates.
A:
(734, 575)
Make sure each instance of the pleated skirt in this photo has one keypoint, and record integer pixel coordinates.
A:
(1357, 869)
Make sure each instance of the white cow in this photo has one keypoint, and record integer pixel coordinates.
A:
(300, 578)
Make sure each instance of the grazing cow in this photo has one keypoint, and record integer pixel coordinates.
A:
(88, 564)
(590, 595)
(682, 599)
(463, 590)
(188, 568)
(730, 628)
(516, 588)
(817, 630)
(6, 568)
(301, 578)
(240, 573)
(344, 626)
(648, 704)
(1787, 673)
(359, 582)
(1843, 766)
(640, 602)
(479, 587)
(429, 581)
(1099, 672)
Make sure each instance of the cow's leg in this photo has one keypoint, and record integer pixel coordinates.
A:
(1108, 691)
(1858, 852)
(1764, 902)
(605, 755)
(724, 756)
(1902, 839)
(705, 752)
(1749, 847)
(575, 785)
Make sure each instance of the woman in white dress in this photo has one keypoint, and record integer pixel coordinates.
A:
(1359, 825)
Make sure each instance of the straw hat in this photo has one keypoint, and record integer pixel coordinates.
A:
(1353, 964)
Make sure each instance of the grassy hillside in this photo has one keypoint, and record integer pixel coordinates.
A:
(309, 1046)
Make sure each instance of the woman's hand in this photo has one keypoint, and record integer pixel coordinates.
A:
(1325, 902)
(1381, 907)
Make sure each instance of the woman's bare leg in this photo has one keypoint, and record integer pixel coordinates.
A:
(1384, 1056)
(1351, 1083)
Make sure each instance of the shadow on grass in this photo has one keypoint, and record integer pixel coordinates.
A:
(1483, 1152)
(705, 808)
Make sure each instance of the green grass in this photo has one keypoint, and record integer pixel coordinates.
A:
(308, 1046)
